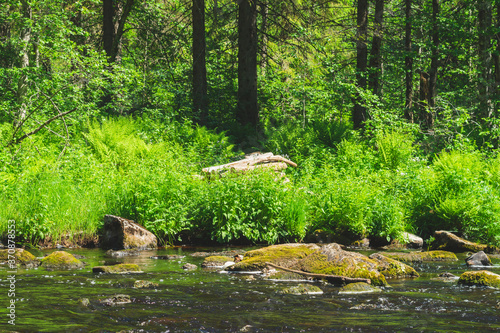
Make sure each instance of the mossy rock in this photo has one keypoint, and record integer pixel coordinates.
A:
(421, 256)
(393, 269)
(480, 278)
(445, 240)
(61, 260)
(22, 258)
(283, 255)
(285, 276)
(358, 288)
(215, 261)
(117, 300)
(140, 284)
(302, 289)
(332, 260)
(120, 268)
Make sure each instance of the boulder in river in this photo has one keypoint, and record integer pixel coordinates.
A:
(480, 278)
(447, 241)
(61, 260)
(358, 288)
(393, 269)
(119, 233)
(21, 256)
(120, 268)
(478, 259)
(421, 256)
(216, 261)
(329, 260)
(189, 267)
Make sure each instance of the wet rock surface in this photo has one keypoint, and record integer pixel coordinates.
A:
(216, 261)
(480, 278)
(139, 284)
(189, 267)
(168, 257)
(61, 260)
(22, 258)
(123, 253)
(119, 268)
(421, 256)
(119, 299)
(358, 288)
(393, 269)
(119, 233)
(478, 259)
(302, 289)
(447, 241)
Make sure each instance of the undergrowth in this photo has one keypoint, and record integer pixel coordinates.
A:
(148, 171)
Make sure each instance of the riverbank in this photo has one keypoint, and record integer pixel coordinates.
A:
(150, 172)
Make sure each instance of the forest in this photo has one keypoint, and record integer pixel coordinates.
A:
(389, 108)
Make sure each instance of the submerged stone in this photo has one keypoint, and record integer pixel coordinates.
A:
(215, 261)
(117, 300)
(168, 257)
(120, 268)
(119, 233)
(61, 260)
(358, 288)
(189, 267)
(302, 289)
(447, 241)
(123, 253)
(478, 259)
(480, 278)
(21, 256)
(421, 256)
(139, 284)
(393, 269)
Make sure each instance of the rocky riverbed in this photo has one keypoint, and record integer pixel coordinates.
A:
(164, 296)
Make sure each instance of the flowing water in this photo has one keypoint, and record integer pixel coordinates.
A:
(208, 301)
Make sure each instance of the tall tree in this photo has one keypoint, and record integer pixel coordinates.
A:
(114, 17)
(200, 100)
(484, 18)
(25, 38)
(359, 114)
(433, 75)
(375, 53)
(408, 63)
(248, 112)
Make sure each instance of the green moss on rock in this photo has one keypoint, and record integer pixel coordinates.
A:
(393, 269)
(332, 260)
(120, 268)
(215, 261)
(21, 257)
(358, 288)
(421, 256)
(283, 255)
(480, 278)
(61, 260)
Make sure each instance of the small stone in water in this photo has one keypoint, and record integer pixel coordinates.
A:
(189, 267)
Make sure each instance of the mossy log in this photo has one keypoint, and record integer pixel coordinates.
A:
(253, 161)
(335, 279)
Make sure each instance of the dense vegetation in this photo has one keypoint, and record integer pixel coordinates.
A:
(99, 118)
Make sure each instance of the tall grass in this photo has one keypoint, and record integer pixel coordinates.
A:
(150, 172)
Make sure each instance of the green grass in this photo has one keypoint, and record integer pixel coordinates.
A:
(149, 172)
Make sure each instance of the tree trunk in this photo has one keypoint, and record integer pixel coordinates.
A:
(484, 16)
(359, 114)
(200, 100)
(113, 23)
(22, 84)
(375, 54)
(497, 53)
(434, 57)
(264, 7)
(408, 64)
(248, 112)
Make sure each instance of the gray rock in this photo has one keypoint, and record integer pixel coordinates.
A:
(189, 267)
(122, 253)
(168, 257)
(119, 233)
(478, 259)
(117, 300)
